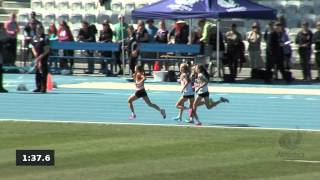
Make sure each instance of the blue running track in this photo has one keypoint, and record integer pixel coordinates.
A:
(110, 106)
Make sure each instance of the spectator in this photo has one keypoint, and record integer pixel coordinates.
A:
(162, 33)
(276, 54)
(142, 36)
(213, 40)
(105, 36)
(12, 29)
(234, 49)
(141, 32)
(304, 42)
(162, 37)
(267, 39)
(208, 41)
(287, 51)
(52, 32)
(120, 35)
(132, 48)
(282, 20)
(40, 49)
(254, 39)
(33, 19)
(29, 32)
(196, 36)
(316, 40)
(180, 33)
(152, 30)
(3, 41)
(53, 36)
(64, 34)
(86, 34)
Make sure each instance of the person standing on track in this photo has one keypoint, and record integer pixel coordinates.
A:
(201, 88)
(139, 79)
(40, 49)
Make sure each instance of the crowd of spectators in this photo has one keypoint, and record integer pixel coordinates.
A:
(231, 45)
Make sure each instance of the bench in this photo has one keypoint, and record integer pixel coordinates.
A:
(168, 53)
(87, 46)
(185, 51)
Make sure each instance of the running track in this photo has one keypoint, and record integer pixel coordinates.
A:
(110, 106)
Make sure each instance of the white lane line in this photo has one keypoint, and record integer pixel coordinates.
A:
(311, 99)
(161, 125)
(288, 97)
(273, 97)
(303, 161)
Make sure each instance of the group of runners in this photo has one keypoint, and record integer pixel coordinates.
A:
(194, 88)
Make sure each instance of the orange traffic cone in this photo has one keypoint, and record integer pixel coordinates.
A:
(49, 82)
(156, 66)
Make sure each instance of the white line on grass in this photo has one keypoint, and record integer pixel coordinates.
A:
(303, 161)
(161, 125)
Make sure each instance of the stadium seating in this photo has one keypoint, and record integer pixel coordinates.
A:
(90, 10)
(62, 5)
(36, 4)
(90, 18)
(49, 5)
(293, 22)
(76, 19)
(305, 9)
(90, 5)
(116, 6)
(291, 10)
(102, 17)
(23, 18)
(63, 17)
(129, 7)
(48, 18)
(76, 5)
(114, 17)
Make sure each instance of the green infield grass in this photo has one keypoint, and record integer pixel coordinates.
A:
(119, 152)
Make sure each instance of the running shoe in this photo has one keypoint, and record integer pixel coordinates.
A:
(163, 113)
(177, 119)
(189, 121)
(132, 117)
(197, 122)
(224, 100)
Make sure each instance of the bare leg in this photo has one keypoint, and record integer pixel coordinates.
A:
(156, 107)
(180, 103)
(130, 102)
(196, 103)
(191, 102)
(210, 104)
(202, 103)
(181, 107)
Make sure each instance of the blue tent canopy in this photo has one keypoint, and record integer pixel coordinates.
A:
(218, 9)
